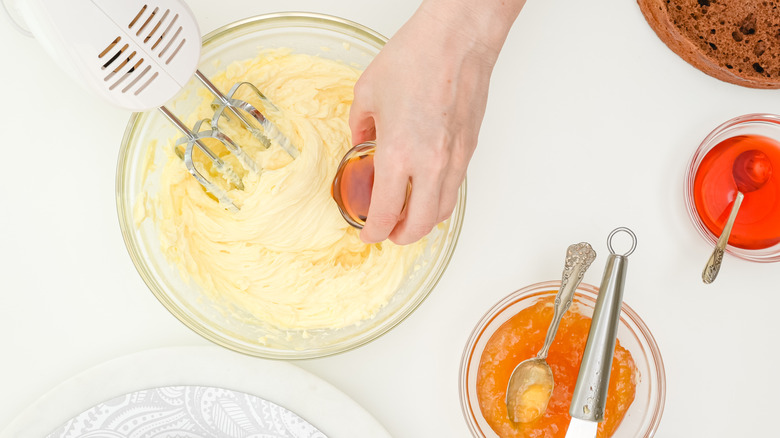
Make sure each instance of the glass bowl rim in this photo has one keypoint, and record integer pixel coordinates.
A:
(125, 211)
(550, 287)
(765, 255)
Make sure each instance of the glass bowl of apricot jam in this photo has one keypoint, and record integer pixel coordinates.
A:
(514, 330)
(710, 189)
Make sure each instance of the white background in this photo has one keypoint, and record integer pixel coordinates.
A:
(590, 124)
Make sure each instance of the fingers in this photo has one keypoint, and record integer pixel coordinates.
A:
(449, 193)
(361, 121)
(387, 199)
(432, 201)
(435, 182)
(422, 211)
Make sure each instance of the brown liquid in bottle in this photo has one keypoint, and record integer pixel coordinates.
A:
(352, 187)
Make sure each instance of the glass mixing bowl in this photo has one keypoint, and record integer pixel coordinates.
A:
(644, 414)
(313, 34)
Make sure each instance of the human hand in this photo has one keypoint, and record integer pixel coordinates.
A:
(423, 99)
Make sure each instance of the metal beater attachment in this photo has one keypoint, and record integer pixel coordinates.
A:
(138, 54)
(260, 127)
(248, 116)
(194, 139)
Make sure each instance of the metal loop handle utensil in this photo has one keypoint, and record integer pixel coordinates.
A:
(590, 392)
(578, 259)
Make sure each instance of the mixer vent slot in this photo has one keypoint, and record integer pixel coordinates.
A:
(127, 74)
(129, 69)
(116, 55)
(137, 77)
(109, 47)
(156, 26)
(181, 43)
(167, 29)
(138, 91)
(165, 37)
(141, 12)
(148, 20)
(170, 43)
(123, 63)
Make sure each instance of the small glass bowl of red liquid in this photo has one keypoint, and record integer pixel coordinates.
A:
(710, 189)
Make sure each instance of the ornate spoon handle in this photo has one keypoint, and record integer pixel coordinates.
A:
(712, 267)
(578, 258)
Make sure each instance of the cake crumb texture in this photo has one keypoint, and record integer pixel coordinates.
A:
(734, 40)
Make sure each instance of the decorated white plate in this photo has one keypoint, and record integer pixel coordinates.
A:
(194, 392)
(187, 412)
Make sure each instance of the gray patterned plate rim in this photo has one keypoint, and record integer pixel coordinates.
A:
(187, 411)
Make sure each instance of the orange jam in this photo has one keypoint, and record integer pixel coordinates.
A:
(520, 338)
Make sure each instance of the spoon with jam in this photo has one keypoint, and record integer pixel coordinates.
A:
(531, 383)
(751, 171)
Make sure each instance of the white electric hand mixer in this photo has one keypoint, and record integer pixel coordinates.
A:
(138, 55)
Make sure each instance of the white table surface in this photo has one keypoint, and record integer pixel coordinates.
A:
(590, 124)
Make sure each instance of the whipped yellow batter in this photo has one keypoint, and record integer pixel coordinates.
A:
(287, 257)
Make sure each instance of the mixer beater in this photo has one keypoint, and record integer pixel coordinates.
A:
(153, 53)
(256, 123)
